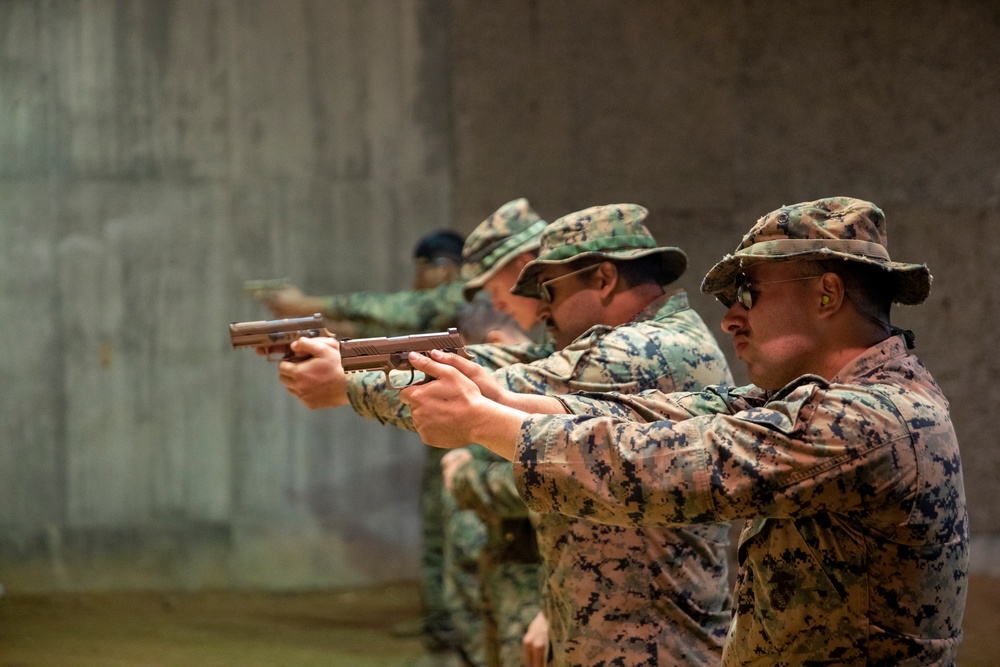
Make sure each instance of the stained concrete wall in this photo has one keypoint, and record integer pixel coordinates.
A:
(153, 156)
(714, 113)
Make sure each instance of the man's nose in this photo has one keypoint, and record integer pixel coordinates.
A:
(735, 318)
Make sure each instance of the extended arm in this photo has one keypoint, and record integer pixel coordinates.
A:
(372, 399)
(365, 314)
(451, 411)
(407, 311)
(602, 361)
(780, 460)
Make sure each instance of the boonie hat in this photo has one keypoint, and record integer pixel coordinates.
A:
(841, 228)
(613, 231)
(512, 229)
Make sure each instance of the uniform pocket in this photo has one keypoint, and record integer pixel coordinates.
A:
(791, 596)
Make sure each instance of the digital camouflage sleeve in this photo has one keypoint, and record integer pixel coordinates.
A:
(398, 313)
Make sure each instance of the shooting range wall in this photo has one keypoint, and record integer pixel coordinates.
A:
(153, 155)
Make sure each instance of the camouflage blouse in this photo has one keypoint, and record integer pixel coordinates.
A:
(855, 547)
(618, 594)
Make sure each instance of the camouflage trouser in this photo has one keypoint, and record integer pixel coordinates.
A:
(491, 585)
(465, 536)
(437, 619)
(509, 570)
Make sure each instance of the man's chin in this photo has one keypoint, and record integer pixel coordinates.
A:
(755, 378)
(765, 382)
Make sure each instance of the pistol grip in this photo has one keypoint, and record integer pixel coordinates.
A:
(289, 356)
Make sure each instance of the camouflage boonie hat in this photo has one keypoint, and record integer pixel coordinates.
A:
(611, 232)
(512, 229)
(834, 228)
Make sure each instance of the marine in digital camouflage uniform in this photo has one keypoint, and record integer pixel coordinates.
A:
(319, 381)
(615, 594)
(856, 543)
(509, 561)
(464, 537)
(506, 576)
(490, 583)
(434, 304)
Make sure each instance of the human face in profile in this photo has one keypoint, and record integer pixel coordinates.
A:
(570, 303)
(523, 309)
(777, 337)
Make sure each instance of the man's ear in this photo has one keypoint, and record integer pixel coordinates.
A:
(831, 294)
(607, 277)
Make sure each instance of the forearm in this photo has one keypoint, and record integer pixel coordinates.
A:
(497, 424)
(496, 427)
(493, 357)
(411, 311)
(372, 398)
(377, 309)
(653, 405)
(308, 305)
(532, 403)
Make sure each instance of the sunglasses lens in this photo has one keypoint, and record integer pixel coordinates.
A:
(743, 292)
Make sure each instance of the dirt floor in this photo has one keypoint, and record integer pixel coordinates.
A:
(349, 629)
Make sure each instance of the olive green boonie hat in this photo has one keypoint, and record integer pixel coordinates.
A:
(512, 229)
(827, 229)
(612, 232)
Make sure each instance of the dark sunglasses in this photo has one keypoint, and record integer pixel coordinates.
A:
(744, 288)
(545, 294)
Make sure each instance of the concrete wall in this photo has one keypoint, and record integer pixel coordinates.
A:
(714, 113)
(153, 156)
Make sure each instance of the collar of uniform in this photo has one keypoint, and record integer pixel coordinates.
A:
(877, 356)
(664, 306)
(659, 308)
